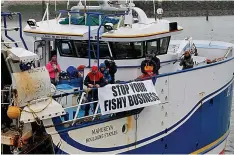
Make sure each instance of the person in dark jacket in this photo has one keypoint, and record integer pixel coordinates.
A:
(148, 67)
(105, 72)
(157, 62)
(187, 60)
(94, 79)
(112, 69)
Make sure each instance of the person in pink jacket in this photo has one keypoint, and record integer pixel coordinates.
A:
(54, 70)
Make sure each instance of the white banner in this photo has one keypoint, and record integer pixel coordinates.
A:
(115, 98)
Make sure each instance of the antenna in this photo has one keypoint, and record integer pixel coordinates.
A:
(155, 16)
(159, 10)
(68, 4)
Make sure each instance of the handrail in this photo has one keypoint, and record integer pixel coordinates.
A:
(78, 108)
(21, 34)
(98, 32)
(156, 76)
(46, 12)
(4, 14)
(228, 51)
(82, 104)
(6, 34)
(89, 27)
(10, 42)
(81, 91)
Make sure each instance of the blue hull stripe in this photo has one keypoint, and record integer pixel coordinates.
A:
(65, 136)
(211, 148)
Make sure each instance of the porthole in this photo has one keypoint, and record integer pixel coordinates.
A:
(125, 128)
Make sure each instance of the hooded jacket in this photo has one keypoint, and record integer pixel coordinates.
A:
(94, 79)
(187, 62)
(112, 67)
(105, 73)
(51, 70)
(148, 66)
(157, 63)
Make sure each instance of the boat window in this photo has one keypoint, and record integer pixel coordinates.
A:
(152, 46)
(82, 50)
(160, 46)
(164, 42)
(65, 48)
(132, 50)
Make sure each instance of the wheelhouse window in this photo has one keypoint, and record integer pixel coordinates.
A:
(82, 50)
(122, 50)
(65, 48)
(164, 43)
(160, 46)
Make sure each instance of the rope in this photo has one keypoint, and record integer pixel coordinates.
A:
(39, 110)
(34, 113)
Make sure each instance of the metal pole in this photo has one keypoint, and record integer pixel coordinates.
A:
(160, 6)
(98, 38)
(6, 35)
(207, 12)
(89, 39)
(155, 16)
(21, 34)
(47, 11)
(43, 6)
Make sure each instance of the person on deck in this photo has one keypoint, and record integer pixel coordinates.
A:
(105, 72)
(93, 80)
(54, 70)
(112, 69)
(148, 67)
(157, 62)
(80, 70)
(187, 60)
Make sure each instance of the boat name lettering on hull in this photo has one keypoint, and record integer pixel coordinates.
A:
(55, 37)
(101, 133)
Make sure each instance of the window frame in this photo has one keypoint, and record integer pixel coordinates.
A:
(158, 42)
(92, 45)
(142, 53)
(59, 43)
(167, 46)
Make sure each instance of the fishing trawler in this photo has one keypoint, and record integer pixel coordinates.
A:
(191, 115)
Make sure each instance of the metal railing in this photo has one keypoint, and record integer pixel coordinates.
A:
(102, 18)
(46, 14)
(80, 103)
(6, 91)
(82, 92)
(10, 14)
(229, 50)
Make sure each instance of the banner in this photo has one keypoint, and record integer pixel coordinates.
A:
(115, 98)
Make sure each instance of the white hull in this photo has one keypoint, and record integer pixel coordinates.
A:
(191, 99)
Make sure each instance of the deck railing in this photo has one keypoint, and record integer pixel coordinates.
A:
(82, 94)
(9, 15)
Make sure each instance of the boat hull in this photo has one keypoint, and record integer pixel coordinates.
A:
(194, 118)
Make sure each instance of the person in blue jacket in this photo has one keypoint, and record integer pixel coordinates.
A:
(105, 73)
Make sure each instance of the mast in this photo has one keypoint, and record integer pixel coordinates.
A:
(155, 16)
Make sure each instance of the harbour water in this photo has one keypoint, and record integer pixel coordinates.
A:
(218, 28)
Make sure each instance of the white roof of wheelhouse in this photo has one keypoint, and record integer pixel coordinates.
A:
(145, 29)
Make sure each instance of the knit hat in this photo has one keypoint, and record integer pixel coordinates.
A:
(94, 68)
(102, 65)
(81, 67)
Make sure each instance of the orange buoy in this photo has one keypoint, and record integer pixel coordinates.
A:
(13, 112)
